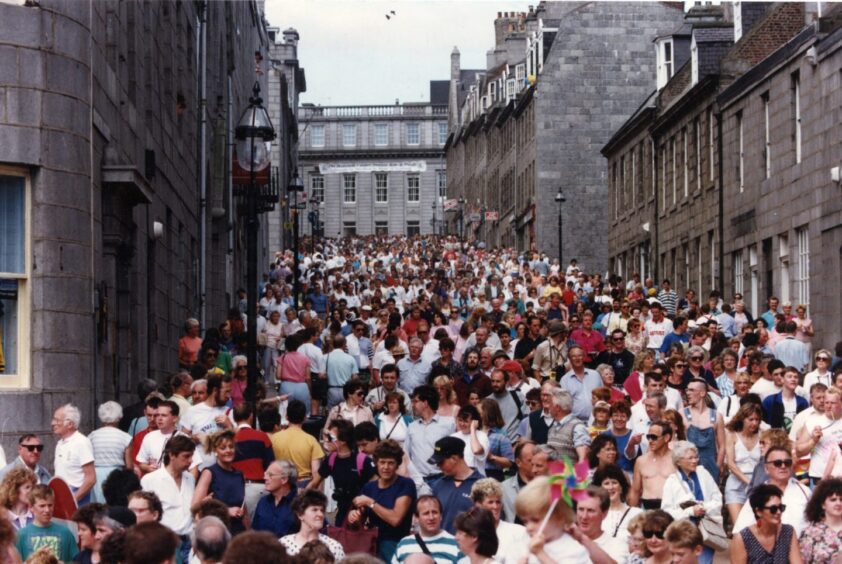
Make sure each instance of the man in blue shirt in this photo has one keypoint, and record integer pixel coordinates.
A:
(678, 335)
(453, 489)
(319, 300)
(273, 513)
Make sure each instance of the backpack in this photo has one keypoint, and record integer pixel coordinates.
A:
(331, 461)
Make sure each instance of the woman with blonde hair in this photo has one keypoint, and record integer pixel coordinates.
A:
(222, 481)
(636, 340)
(14, 496)
(644, 362)
(448, 401)
(553, 543)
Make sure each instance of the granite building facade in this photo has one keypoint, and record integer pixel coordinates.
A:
(546, 111)
(750, 203)
(117, 222)
(374, 169)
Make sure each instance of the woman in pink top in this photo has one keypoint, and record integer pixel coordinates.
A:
(239, 379)
(293, 371)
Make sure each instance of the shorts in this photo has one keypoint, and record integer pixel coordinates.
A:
(318, 391)
(735, 490)
(648, 504)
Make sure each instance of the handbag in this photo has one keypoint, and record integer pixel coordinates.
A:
(355, 540)
(713, 534)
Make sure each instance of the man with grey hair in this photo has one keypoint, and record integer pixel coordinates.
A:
(210, 539)
(568, 435)
(413, 369)
(74, 456)
(273, 512)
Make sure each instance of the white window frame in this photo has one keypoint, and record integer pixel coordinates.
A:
(381, 134)
(741, 165)
(796, 103)
(783, 255)
(698, 127)
(739, 273)
(520, 72)
(767, 137)
(20, 379)
(441, 183)
(317, 135)
(317, 188)
(381, 188)
(711, 146)
(510, 89)
(802, 271)
(442, 133)
(349, 134)
(712, 245)
(413, 192)
(380, 224)
(686, 163)
(674, 170)
(413, 133)
(415, 224)
(349, 188)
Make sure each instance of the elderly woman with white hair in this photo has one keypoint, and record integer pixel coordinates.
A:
(111, 446)
(514, 540)
(692, 493)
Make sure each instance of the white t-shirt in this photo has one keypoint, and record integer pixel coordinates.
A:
(831, 437)
(476, 461)
(72, 454)
(152, 449)
(202, 419)
(790, 406)
(174, 501)
(381, 358)
(315, 355)
(657, 331)
(564, 549)
(513, 542)
(764, 388)
(616, 548)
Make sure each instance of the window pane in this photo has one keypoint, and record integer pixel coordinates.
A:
(413, 192)
(8, 326)
(381, 188)
(413, 134)
(349, 135)
(317, 188)
(317, 136)
(381, 134)
(413, 228)
(12, 216)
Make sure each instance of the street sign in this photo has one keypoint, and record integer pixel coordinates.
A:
(475, 217)
(492, 216)
(450, 204)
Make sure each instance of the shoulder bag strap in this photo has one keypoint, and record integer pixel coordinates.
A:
(397, 420)
(422, 544)
(620, 522)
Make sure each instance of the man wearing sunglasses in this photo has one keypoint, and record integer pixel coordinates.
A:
(30, 448)
(794, 501)
(652, 469)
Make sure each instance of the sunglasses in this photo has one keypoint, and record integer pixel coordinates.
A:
(31, 448)
(680, 365)
(781, 463)
(359, 394)
(823, 358)
(618, 339)
(652, 437)
(696, 358)
(775, 508)
(656, 534)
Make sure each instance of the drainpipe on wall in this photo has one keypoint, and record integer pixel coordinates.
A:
(721, 211)
(203, 175)
(656, 241)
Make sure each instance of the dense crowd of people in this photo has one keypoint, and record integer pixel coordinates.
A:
(416, 402)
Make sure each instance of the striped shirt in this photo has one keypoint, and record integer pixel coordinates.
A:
(109, 444)
(442, 547)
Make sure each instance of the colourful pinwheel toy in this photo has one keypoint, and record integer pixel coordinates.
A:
(568, 481)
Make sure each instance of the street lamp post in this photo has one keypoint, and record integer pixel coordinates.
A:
(433, 221)
(254, 134)
(295, 186)
(462, 223)
(559, 199)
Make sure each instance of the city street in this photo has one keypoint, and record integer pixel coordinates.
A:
(423, 282)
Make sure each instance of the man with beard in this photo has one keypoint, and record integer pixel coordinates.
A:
(211, 415)
(472, 380)
(511, 403)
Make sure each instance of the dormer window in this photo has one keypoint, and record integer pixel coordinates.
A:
(492, 91)
(520, 72)
(664, 54)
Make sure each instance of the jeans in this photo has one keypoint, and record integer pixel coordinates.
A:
(299, 391)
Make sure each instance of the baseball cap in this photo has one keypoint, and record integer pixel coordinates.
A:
(447, 447)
